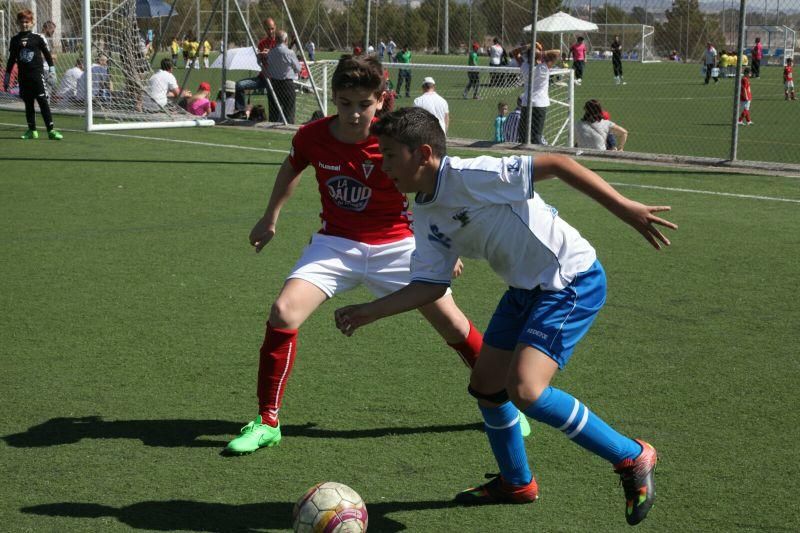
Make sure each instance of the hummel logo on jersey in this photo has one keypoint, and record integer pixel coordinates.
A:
(437, 236)
(513, 167)
(462, 216)
(335, 168)
(367, 166)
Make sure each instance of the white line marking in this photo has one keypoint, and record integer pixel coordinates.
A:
(714, 193)
(162, 139)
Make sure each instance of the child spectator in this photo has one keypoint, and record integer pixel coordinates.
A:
(499, 121)
(511, 126)
(199, 104)
(788, 80)
(745, 97)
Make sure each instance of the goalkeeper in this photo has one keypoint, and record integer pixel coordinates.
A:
(27, 49)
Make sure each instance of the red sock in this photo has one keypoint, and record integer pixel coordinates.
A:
(469, 348)
(274, 367)
(747, 114)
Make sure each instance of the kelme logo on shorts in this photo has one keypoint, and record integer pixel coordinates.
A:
(348, 193)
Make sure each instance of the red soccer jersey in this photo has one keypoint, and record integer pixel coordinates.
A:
(744, 93)
(267, 43)
(359, 201)
(787, 73)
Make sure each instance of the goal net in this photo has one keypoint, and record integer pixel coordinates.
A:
(103, 68)
(637, 40)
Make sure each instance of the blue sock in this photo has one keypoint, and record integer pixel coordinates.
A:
(562, 411)
(502, 428)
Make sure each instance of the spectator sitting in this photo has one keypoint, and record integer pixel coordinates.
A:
(511, 125)
(592, 130)
(102, 86)
(68, 89)
(199, 104)
(162, 85)
(225, 102)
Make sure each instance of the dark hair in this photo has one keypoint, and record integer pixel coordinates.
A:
(413, 127)
(746, 71)
(25, 14)
(580, 39)
(592, 111)
(358, 73)
(166, 64)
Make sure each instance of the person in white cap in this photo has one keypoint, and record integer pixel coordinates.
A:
(433, 103)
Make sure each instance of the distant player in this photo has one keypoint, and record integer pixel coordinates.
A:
(194, 53)
(174, 48)
(745, 97)
(365, 238)
(28, 51)
(186, 48)
(788, 80)
(616, 60)
(488, 208)
(206, 51)
(578, 53)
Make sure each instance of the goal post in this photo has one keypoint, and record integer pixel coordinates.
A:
(474, 106)
(102, 69)
(113, 51)
(637, 40)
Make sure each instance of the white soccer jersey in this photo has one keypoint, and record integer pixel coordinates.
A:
(486, 208)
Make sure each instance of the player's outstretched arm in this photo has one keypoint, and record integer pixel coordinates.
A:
(285, 183)
(412, 296)
(642, 217)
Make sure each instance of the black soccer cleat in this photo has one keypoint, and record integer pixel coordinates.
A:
(636, 477)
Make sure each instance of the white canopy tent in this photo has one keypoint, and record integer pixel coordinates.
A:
(562, 23)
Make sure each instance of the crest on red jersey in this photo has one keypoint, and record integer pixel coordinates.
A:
(367, 166)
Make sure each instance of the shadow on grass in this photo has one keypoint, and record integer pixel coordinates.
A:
(189, 433)
(154, 161)
(187, 515)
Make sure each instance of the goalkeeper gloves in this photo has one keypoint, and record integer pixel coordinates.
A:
(52, 76)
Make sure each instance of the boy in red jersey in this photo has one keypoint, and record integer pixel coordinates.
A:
(745, 97)
(365, 238)
(788, 80)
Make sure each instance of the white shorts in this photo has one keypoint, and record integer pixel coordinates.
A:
(789, 85)
(746, 105)
(336, 265)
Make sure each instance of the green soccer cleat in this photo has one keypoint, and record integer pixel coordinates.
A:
(30, 134)
(54, 135)
(253, 436)
(524, 426)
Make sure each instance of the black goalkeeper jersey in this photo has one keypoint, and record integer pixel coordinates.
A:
(28, 50)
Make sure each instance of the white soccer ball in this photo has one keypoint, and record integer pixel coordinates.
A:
(331, 508)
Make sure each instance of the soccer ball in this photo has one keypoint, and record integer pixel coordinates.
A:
(331, 508)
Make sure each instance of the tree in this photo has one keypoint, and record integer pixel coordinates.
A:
(687, 29)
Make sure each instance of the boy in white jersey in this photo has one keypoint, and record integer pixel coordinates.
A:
(487, 207)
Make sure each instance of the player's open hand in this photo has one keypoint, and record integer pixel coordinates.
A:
(643, 219)
(458, 268)
(261, 234)
(350, 318)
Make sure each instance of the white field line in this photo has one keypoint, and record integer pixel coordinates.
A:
(713, 193)
(615, 184)
(162, 139)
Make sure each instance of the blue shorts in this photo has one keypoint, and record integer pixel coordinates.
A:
(552, 322)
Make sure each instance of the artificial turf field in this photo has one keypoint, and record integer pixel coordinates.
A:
(134, 308)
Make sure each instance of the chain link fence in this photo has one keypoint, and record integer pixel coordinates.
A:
(658, 91)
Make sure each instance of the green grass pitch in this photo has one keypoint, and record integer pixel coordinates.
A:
(133, 309)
